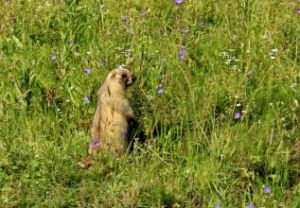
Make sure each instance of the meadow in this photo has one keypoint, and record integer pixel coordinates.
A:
(217, 93)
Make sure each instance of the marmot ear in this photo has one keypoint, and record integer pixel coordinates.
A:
(113, 75)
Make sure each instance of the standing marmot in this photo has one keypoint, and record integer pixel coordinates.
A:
(109, 129)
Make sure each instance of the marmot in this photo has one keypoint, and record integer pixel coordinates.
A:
(109, 128)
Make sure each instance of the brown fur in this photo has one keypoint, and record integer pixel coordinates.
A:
(109, 129)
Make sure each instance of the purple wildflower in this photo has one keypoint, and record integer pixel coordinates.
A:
(95, 144)
(182, 52)
(182, 49)
(218, 206)
(53, 57)
(181, 56)
(160, 90)
(297, 11)
(267, 189)
(251, 205)
(237, 115)
(87, 70)
(125, 17)
(86, 100)
(178, 1)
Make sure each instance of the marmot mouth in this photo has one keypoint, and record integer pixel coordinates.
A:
(131, 81)
(128, 84)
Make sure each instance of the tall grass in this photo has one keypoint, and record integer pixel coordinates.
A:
(224, 130)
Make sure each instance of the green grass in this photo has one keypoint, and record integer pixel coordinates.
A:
(200, 156)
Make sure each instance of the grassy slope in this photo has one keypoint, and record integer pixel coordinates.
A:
(201, 156)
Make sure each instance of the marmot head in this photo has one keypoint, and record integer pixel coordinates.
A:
(121, 76)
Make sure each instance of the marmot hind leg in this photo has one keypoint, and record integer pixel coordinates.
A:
(95, 134)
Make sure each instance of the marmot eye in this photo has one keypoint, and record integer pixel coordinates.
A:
(124, 75)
